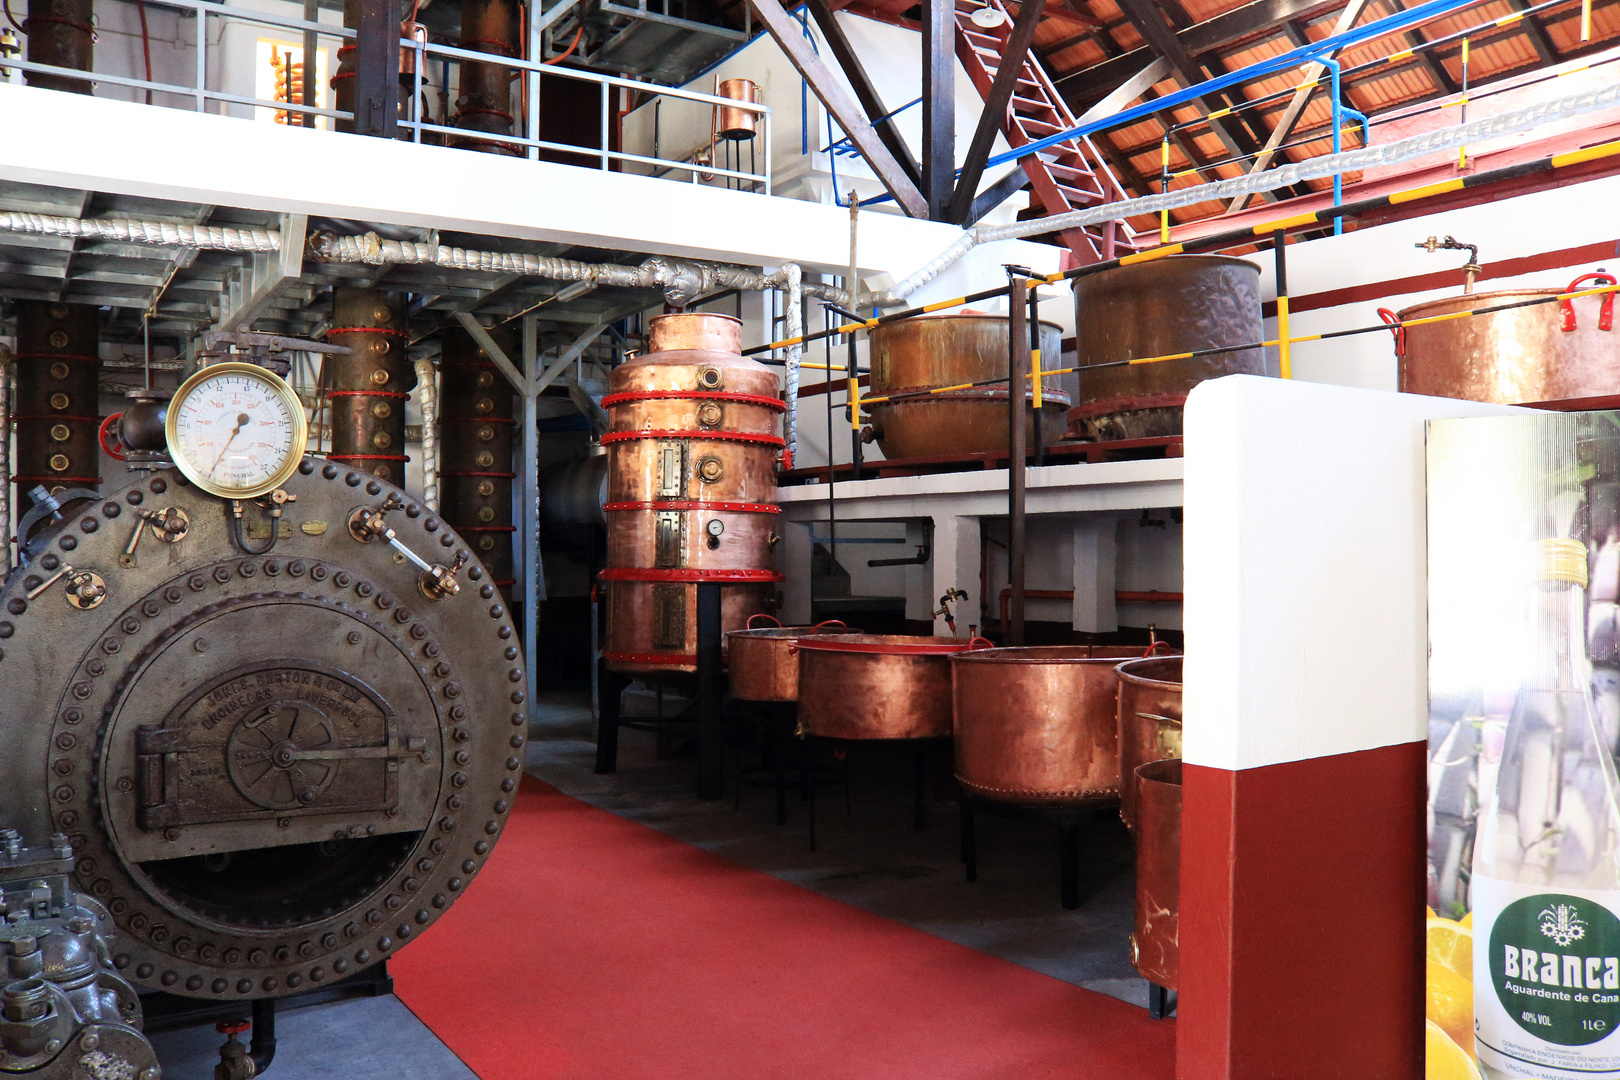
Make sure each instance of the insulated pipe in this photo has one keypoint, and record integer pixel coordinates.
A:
(426, 376)
(485, 101)
(794, 288)
(61, 34)
(58, 402)
(370, 385)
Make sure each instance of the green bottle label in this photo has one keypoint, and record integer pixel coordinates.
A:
(1555, 966)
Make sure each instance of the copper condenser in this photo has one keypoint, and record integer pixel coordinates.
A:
(1179, 304)
(1543, 352)
(1155, 940)
(1036, 725)
(918, 356)
(1149, 720)
(691, 490)
(730, 122)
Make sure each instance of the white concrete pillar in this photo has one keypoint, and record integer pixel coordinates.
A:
(1095, 556)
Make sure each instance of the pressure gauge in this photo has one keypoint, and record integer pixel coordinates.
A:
(716, 526)
(236, 430)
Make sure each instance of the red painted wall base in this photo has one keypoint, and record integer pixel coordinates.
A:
(1302, 889)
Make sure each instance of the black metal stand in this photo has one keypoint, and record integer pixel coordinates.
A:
(1159, 1001)
(612, 686)
(169, 1012)
(711, 763)
(920, 752)
(1067, 819)
(785, 763)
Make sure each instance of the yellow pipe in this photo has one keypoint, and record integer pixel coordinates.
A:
(1285, 360)
(1035, 375)
(1586, 20)
(854, 402)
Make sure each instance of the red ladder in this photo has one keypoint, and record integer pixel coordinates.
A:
(1062, 175)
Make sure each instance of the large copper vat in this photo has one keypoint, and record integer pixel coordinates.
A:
(1155, 948)
(691, 490)
(1037, 725)
(875, 686)
(1149, 720)
(763, 661)
(947, 350)
(1510, 357)
(1174, 305)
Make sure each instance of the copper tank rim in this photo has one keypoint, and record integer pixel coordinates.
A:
(1232, 260)
(885, 644)
(958, 317)
(760, 632)
(1126, 675)
(1052, 654)
(1448, 302)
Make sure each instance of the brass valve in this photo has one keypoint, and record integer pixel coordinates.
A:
(367, 523)
(951, 596)
(438, 582)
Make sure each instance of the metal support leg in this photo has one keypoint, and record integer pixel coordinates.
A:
(607, 725)
(1070, 863)
(711, 765)
(970, 845)
(920, 785)
(810, 787)
(1158, 1001)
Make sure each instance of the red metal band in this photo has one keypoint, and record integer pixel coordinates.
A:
(694, 395)
(85, 28)
(882, 648)
(721, 436)
(506, 50)
(466, 364)
(77, 358)
(688, 504)
(649, 657)
(485, 528)
(365, 330)
(497, 475)
(638, 573)
(343, 74)
(366, 393)
(366, 457)
(55, 416)
(476, 420)
(482, 112)
(55, 479)
(503, 582)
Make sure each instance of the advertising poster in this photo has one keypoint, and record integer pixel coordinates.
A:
(1522, 958)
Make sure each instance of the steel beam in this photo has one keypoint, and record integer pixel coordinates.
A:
(1013, 52)
(788, 34)
(865, 92)
(939, 101)
(265, 278)
(376, 92)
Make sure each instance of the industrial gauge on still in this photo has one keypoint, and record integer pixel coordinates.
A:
(236, 430)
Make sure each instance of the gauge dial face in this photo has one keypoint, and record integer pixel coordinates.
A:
(236, 430)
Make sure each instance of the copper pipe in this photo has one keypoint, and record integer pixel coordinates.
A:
(60, 33)
(476, 419)
(368, 388)
(485, 101)
(57, 403)
(1121, 596)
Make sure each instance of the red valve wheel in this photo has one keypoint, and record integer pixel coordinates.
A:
(232, 1027)
(112, 448)
(1566, 309)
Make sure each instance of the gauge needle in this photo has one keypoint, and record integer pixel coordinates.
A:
(241, 418)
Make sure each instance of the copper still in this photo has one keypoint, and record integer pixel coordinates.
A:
(691, 490)
(1149, 721)
(875, 686)
(914, 356)
(1155, 948)
(367, 389)
(1037, 725)
(1546, 352)
(1173, 305)
(58, 362)
(732, 123)
(485, 101)
(61, 33)
(476, 422)
(763, 662)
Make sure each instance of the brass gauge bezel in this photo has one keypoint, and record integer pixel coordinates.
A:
(295, 409)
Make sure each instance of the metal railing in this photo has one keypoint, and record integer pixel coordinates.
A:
(415, 123)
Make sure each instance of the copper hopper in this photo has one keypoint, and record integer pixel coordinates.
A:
(1149, 720)
(875, 686)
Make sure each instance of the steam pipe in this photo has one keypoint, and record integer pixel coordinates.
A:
(794, 288)
(425, 375)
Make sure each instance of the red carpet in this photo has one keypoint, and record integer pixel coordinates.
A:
(593, 948)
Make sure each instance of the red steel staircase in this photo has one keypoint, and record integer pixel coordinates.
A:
(1062, 176)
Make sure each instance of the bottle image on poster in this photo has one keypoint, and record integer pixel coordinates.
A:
(1532, 885)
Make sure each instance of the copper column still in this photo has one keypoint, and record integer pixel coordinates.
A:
(1155, 942)
(1174, 305)
(476, 426)
(485, 101)
(57, 399)
(1036, 726)
(1549, 352)
(876, 686)
(691, 490)
(60, 33)
(915, 356)
(343, 81)
(764, 662)
(367, 389)
(1149, 721)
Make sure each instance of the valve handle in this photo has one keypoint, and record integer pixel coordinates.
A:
(232, 1027)
(1566, 308)
(831, 622)
(762, 615)
(973, 643)
(1394, 323)
(1152, 650)
(112, 449)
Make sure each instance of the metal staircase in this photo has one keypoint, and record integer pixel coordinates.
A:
(1063, 176)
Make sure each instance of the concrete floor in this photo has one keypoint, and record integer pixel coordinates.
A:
(871, 857)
